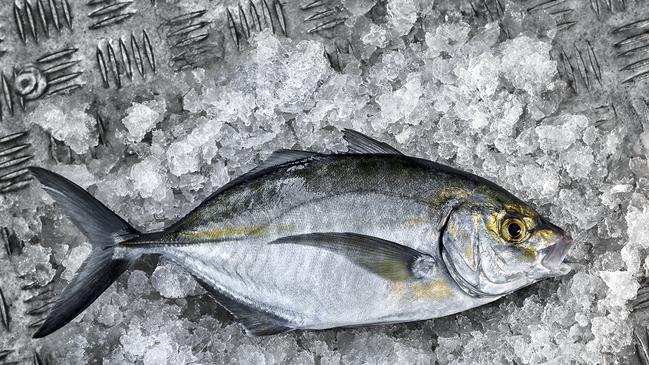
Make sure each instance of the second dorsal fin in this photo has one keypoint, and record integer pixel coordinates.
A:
(360, 143)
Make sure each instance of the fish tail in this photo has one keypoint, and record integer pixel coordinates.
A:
(104, 229)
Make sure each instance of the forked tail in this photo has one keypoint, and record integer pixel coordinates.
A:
(104, 229)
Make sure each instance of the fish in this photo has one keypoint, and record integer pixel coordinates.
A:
(313, 241)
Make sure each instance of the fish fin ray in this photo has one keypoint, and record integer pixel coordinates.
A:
(104, 229)
(96, 221)
(281, 157)
(277, 158)
(95, 275)
(385, 258)
(256, 321)
(360, 143)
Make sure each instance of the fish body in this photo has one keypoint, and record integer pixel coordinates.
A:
(225, 242)
(314, 241)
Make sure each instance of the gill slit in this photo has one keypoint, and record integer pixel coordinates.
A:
(440, 241)
(448, 267)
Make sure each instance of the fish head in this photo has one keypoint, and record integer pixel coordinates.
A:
(496, 246)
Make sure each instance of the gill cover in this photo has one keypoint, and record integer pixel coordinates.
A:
(471, 261)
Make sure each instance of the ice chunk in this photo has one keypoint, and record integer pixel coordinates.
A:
(75, 349)
(358, 7)
(580, 208)
(295, 77)
(622, 286)
(112, 189)
(613, 141)
(544, 182)
(367, 347)
(611, 333)
(527, 64)
(390, 68)
(161, 353)
(527, 142)
(172, 281)
(225, 105)
(447, 37)
(110, 315)
(638, 232)
(192, 102)
(138, 283)
(565, 132)
(75, 258)
(480, 74)
(67, 123)
(77, 173)
(141, 118)
(399, 104)
(304, 68)
(578, 160)
(219, 175)
(248, 354)
(149, 181)
(34, 264)
(134, 342)
(186, 155)
(615, 195)
(376, 36)
(402, 15)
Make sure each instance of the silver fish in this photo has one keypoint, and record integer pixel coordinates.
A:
(315, 241)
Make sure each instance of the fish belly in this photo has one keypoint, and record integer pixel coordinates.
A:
(313, 288)
(310, 287)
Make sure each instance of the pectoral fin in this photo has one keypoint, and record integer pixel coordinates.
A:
(385, 258)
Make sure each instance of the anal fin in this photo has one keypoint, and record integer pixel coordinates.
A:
(256, 321)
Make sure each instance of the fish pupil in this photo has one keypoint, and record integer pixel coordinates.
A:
(514, 230)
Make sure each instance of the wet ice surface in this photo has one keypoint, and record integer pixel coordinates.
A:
(484, 96)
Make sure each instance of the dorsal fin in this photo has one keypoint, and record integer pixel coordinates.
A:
(277, 158)
(360, 143)
(281, 157)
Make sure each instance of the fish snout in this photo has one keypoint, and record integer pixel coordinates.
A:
(558, 244)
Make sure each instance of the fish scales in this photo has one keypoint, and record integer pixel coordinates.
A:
(275, 204)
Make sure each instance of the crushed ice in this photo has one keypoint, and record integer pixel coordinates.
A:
(460, 93)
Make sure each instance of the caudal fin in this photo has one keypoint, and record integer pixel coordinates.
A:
(104, 229)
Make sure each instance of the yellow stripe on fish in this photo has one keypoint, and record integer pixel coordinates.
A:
(227, 232)
(434, 289)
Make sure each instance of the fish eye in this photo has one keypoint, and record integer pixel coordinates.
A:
(513, 230)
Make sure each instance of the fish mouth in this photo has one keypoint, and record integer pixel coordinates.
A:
(553, 259)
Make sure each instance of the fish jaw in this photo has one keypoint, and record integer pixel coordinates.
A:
(553, 259)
